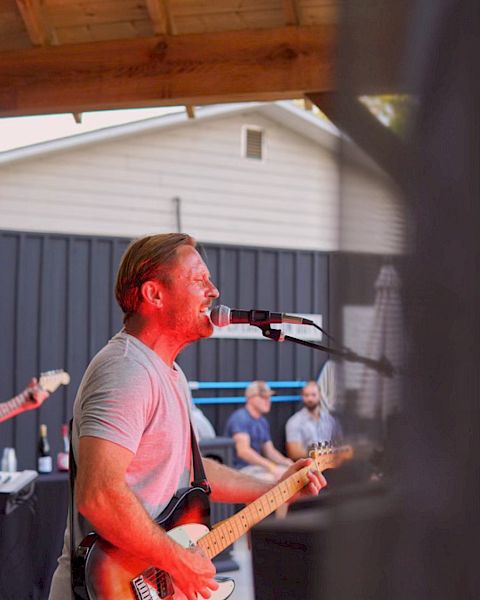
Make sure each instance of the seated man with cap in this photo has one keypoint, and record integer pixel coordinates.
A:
(254, 449)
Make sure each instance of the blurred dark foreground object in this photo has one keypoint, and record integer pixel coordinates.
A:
(291, 556)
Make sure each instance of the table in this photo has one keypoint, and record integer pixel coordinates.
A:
(31, 538)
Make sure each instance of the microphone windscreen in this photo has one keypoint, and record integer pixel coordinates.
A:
(220, 316)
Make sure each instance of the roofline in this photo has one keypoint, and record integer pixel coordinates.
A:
(320, 131)
(180, 118)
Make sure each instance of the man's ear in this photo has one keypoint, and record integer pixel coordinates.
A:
(152, 293)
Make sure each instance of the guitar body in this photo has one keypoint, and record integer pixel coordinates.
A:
(102, 571)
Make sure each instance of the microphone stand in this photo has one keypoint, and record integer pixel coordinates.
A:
(383, 366)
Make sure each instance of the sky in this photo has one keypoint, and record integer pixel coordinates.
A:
(23, 131)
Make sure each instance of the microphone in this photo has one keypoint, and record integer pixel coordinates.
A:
(221, 316)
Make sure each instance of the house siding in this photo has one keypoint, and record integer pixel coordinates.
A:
(125, 187)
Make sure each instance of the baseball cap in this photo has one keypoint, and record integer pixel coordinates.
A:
(258, 388)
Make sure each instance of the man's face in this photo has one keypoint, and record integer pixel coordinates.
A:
(261, 402)
(189, 296)
(311, 397)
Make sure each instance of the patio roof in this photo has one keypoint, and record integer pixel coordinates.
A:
(67, 56)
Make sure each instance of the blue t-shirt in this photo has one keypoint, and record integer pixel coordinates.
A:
(241, 421)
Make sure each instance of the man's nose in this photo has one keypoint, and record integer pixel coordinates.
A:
(213, 292)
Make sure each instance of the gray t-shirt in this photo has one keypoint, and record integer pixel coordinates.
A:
(303, 427)
(129, 396)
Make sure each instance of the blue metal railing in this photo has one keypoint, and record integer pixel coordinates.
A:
(241, 385)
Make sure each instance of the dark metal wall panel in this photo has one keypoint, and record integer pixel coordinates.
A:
(57, 310)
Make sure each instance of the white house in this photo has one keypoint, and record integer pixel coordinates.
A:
(248, 174)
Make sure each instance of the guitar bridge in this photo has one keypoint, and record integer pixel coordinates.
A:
(160, 581)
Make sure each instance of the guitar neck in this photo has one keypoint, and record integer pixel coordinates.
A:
(6, 408)
(230, 530)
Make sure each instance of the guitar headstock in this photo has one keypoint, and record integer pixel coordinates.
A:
(51, 380)
(328, 456)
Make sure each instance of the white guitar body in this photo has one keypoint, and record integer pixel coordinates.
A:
(113, 575)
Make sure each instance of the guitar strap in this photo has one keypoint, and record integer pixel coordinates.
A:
(199, 477)
(199, 480)
(72, 473)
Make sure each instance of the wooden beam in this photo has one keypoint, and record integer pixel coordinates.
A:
(191, 69)
(379, 142)
(161, 17)
(40, 31)
(290, 8)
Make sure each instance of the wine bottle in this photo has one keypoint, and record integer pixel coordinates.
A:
(62, 457)
(43, 452)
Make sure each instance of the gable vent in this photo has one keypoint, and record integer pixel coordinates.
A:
(253, 142)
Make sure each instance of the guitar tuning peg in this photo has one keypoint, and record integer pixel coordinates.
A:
(313, 449)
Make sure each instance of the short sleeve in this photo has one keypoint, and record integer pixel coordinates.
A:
(114, 406)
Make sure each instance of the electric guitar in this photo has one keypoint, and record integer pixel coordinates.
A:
(103, 572)
(48, 381)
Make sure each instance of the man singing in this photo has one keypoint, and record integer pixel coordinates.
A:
(131, 430)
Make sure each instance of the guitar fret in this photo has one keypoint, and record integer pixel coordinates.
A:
(13, 404)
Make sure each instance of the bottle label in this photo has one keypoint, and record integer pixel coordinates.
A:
(62, 461)
(45, 464)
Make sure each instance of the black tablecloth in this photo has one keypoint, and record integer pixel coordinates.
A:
(31, 538)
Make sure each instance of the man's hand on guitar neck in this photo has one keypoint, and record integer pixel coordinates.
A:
(31, 397)
(317, 480)
(34, 395)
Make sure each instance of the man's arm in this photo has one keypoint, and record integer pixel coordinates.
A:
(249, 455)
(103, 497)
(293, 434)
(31, 397)
(229, 485)
(295, 450)
(274, 455)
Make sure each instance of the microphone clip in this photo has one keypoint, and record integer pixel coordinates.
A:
(272, 334)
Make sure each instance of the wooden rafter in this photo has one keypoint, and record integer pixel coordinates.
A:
(36, 22)
(290, 8)
(308, 104)
(161, 16)
(167, 70)
(376, 140)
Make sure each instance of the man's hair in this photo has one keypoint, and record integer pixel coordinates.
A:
(149, 257)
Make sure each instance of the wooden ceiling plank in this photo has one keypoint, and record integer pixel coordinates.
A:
(193, 69)
(161, 16)
(40, 31)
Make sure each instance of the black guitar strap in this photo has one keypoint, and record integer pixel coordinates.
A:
(199, 477)
(72, 473)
